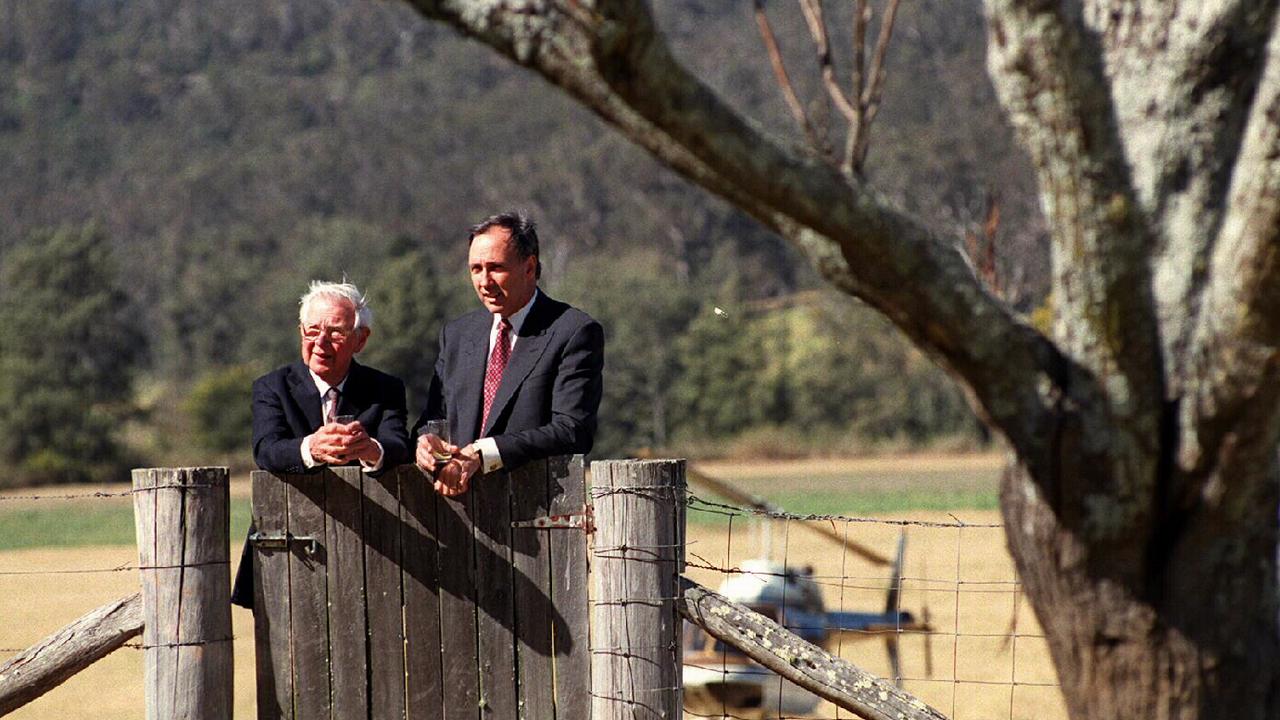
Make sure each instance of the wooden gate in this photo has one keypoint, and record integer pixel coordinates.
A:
(377, 598)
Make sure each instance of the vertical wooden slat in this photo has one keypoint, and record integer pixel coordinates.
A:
(569, 593)
(347, 619)
(637, 554)
(531, 558)
(309, 595)
(420, 575)
(205, 675)
(144, 513)
(188, 624)
(382, 592)
(495, 620)
(457, 609)
(271, 602)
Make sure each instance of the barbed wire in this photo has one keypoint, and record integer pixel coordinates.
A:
(699, 504)
(99, 494)
(835, 581)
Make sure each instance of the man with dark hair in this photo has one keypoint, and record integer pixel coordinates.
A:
(518, 380)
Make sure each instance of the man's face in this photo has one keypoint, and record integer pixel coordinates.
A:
(329, 340)
(503, 281)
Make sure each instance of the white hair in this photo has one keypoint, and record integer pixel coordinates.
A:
(343, 291)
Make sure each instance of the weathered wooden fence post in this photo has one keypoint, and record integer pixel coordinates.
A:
(182, 520)
(637, 561)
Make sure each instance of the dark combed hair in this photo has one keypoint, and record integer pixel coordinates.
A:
(524, 233)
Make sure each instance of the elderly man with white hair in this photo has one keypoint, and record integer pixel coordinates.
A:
(326, 409)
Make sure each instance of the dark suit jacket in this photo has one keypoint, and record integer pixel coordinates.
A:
(550, 391)
(286, 408)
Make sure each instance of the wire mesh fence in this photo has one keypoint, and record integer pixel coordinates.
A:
(47, 577)
(950, 623)
(972, 648)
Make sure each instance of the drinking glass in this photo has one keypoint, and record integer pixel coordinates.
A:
(440, 428)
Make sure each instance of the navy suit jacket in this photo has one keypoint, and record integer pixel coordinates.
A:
(550, 391)
(286, 408)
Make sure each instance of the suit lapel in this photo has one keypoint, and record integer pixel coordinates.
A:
(352, 391)
(304, 392)
(533, 339)
(472, 365)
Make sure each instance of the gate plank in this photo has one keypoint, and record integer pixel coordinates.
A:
(271, 619)
(457, 609)
(347, 630)
(420, 575)
(495, 621)
(569, 588)
(308, 595)
(382, 591)
(531, 559)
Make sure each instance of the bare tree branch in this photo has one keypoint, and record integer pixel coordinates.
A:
(1183, 119)
(869, 100)
(784, 80)
(813, 16)
(619, 67)
(1237, 343)
(861, 19)
(1048, 76)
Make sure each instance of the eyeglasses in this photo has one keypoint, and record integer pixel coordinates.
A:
(335, 334)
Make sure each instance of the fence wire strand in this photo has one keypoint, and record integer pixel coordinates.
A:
(846, 583)
(843, 583)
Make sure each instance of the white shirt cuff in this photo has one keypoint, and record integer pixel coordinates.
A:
(306, 453)
(490, 458)
(374, 467)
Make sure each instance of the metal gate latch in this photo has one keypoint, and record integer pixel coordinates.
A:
(584, 521)
(282, 542)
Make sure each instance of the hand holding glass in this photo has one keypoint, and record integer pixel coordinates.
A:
(440, 428)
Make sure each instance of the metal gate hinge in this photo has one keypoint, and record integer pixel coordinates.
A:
(584, 521)
(282, 542)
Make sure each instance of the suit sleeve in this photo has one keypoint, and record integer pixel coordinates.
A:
(392, 433)
(276, 448)
(436, 407)
(575, 400)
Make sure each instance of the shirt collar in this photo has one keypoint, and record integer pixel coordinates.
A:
(517, 317)
(323, 386)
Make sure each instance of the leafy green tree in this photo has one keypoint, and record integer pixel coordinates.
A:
(220, 407)
(412, 297)
(720, 389)
(67, 363)
(643, 309)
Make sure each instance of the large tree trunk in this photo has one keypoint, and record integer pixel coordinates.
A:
(1142, 513)
(1192, 635)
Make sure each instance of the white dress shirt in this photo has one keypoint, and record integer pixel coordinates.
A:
(311, 462)
(490, 458)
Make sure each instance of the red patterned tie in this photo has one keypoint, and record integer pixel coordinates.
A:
(497, 364)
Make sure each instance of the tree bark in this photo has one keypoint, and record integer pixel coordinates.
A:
(51, 662)
(803, 663)
(1142, 510)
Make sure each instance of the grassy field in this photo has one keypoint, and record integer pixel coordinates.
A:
(962, 574)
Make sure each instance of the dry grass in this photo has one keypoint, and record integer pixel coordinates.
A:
(965, 578)
(33, 606)
(964, 575)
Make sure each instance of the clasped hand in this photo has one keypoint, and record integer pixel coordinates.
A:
(339, 444)
(452, 475)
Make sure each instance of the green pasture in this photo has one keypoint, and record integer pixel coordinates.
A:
(80, 523)
(109, 521)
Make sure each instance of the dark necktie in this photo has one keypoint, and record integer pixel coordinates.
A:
(330, 405)
(497, 364)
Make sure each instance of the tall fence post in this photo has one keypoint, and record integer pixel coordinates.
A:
(182, 521)
(637, 560)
